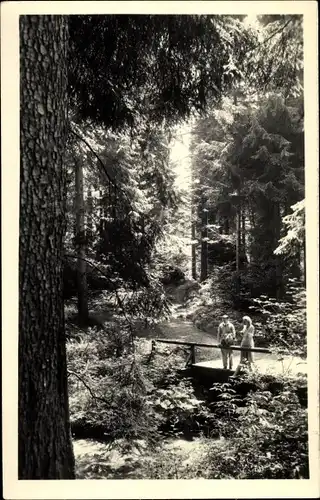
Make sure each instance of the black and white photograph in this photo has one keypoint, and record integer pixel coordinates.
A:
(163, 278)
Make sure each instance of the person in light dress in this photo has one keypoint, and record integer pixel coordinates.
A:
(246, 357)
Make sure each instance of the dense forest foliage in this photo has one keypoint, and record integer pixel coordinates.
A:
(135, 246)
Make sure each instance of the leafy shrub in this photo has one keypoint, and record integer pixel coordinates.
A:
(237, 289)
(107, 393)
(225, 408)
(115, 394)
(171, 274)
(270, 438)
(180, 412)
(285, 322)
(149, 304)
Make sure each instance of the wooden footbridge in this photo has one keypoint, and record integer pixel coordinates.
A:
(210, 370)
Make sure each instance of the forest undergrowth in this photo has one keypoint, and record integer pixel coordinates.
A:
(141, 418)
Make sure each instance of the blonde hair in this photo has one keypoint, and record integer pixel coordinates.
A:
(247, 319)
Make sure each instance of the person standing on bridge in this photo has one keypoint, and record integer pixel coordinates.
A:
(246, 357)
(226, 336)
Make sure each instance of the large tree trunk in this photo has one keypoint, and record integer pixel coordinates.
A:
(243, 232)
(89, 219)
(80, 237)
(101, 224)
(45, 448)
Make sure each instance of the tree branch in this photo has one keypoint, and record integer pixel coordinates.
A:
(281, 28)
(120, 304)
(275, 32)
(112, 181)
(97, 398)
(97, 268)
(76, 134)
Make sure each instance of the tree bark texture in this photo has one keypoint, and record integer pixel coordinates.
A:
(45, 447)
(80, 238)
(101, 224)
(243, 232)
(89, 217)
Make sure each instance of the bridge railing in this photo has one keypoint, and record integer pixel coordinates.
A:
(193, 345)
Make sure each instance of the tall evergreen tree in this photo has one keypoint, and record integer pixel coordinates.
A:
(252, 170)
(45, 449)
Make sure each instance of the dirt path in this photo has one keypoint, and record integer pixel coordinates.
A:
(180, 329)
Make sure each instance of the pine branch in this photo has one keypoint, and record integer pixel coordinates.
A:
(98, 269)
(120, 303)
(112, 181)
(76, 134)
(275, 32)
(96, 398)
(281, 28)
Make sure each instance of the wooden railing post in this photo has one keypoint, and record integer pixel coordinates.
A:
(193, 354)
(153, 348)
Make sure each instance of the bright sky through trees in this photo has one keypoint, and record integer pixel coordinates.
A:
(180, 145)
(180, 156)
